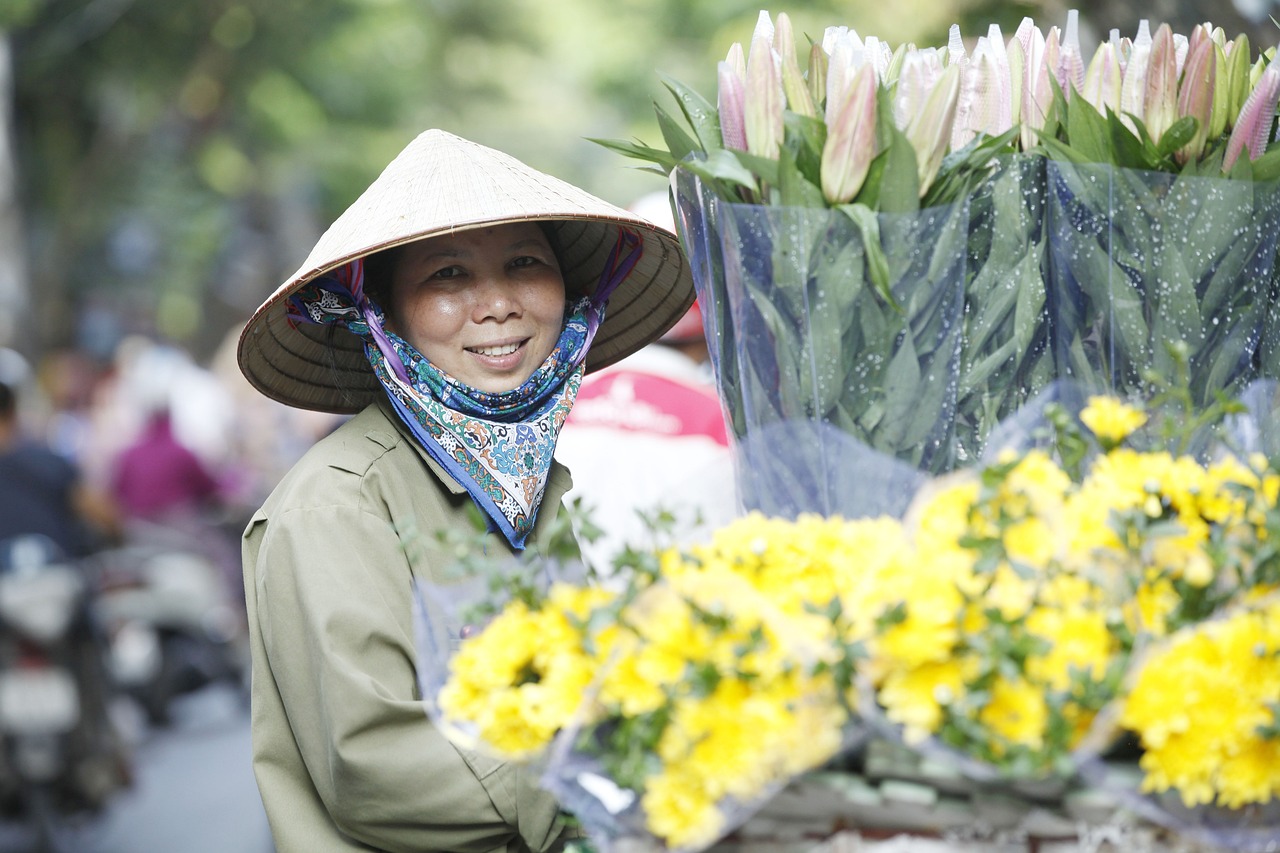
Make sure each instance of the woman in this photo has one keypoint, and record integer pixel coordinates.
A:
(455, 306)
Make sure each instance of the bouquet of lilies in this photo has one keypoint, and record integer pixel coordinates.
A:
(899, 246)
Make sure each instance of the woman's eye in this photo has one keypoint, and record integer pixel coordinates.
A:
(446, 272)
(524, 261)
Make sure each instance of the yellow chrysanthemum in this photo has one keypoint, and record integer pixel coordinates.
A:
(1080, 642)
(1201, 706)
(679, 811)
(1111, 420)
(915, 698)
(1017, 713)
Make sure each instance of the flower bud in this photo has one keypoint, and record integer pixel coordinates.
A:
(1071, 63)
(1133, 88)
(930, 127)
(921, 70)
(894, 71)
(1000, 56)
(1160, 101)
(1219, 120)
(763, 100)
(1037, 96)
(793, 84)
(1195, 99)
(1253, 127)
(1102, 80)
(1017, 56)
(851, 138)
(817, 75)
(730, 100)
(985, 110)
(1240, 77)
(737, 60)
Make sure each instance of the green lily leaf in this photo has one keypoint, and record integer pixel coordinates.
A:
(639, 151)
(794, 188)
(1178, 135)
(679, 142)
(702, 115)
(722, 165)
(877, 264)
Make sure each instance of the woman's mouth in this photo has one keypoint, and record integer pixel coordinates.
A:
(496, 350)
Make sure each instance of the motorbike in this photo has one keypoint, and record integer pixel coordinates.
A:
(62, 755)
(174, 626)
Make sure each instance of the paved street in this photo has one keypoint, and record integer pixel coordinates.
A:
(194, 791)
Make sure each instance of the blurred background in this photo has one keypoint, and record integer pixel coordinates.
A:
(164, 164)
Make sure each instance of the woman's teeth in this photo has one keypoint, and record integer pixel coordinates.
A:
(505, 349)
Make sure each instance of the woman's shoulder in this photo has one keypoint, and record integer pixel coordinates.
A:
(337, 468)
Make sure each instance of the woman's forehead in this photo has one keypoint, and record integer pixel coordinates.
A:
(488, 238)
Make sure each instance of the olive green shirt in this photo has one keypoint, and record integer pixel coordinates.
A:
(344, 754)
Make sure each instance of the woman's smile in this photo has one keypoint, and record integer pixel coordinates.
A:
(484, 306)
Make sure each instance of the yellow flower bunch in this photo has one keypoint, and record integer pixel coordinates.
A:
(1206, 708)
(998, 617)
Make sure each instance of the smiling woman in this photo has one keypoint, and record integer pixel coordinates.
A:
(456, 306)
(484, 306)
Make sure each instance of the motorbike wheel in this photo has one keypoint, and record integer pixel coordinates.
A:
(182, 670)
(52, 836)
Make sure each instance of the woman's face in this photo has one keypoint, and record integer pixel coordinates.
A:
(485, 306)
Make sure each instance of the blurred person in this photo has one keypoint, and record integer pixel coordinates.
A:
(454, 308)
(169, 496)
(648, 435)
(42, 492)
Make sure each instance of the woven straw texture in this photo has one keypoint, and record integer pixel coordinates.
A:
(440, 184)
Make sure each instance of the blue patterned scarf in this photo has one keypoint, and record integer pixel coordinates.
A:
(498, 446)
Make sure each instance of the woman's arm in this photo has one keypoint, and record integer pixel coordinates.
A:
(334, 609)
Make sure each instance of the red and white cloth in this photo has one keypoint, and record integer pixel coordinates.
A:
(649, 433)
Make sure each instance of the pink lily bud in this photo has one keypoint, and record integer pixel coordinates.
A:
(1102, 79)
(1195, 98)
(851, 138)
(921, 70)
(764, 28)
(763, 100)
(730, 100)
(1200, 32)
(1053, 56)
(1037, 99)
(793, 85)
(1253, 127)
(1024, 36)
(1071, 63)
(737, 60)
(1133, 88)
(1160, 101)
(846, 56)
(931, 126)
(817, 75)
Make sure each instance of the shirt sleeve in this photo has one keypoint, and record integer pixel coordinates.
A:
(335, 612)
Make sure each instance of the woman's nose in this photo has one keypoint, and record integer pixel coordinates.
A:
(495, 299)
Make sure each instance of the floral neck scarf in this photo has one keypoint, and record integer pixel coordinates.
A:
(498, 446)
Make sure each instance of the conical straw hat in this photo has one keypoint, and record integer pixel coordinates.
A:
(442, 183)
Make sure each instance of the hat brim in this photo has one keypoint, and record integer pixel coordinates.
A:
(324, 368)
